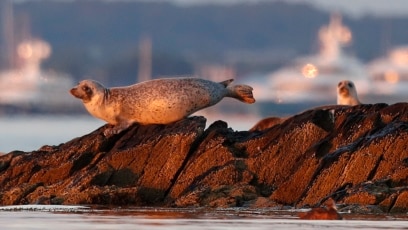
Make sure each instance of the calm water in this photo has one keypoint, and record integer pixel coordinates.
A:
(27, 133)
(179, 219)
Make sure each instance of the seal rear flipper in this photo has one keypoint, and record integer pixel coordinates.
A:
(226, 82)
(242, 93)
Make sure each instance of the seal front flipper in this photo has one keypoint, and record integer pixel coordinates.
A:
(116, 129)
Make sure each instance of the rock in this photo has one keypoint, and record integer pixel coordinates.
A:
(356, 155)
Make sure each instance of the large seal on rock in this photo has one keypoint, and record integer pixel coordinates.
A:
(159, 101)
(347, 93)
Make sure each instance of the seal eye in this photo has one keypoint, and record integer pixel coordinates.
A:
(339, 84)
(350, 85)
(86, 89)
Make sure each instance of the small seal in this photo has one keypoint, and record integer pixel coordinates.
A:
(267, 123)
(159, 101)
(347, 93)
(324, 213)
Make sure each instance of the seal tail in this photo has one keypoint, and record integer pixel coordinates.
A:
(241, 92)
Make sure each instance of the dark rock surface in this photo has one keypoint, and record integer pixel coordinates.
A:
(357, 155)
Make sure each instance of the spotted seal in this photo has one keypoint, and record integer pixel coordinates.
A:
(347, 93)
(159, 101)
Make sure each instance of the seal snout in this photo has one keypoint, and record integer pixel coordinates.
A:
(344, 90)
(344, 87)
(75, 92)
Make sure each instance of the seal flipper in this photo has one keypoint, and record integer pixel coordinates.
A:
(242, 93)
(116, 129)
(226, 82)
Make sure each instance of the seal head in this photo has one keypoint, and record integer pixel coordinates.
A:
(86, 90)
(95, 98)
(347, 93)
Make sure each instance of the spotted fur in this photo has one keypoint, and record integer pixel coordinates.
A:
(159, 101)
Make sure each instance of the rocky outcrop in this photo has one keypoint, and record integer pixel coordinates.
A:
(357, 155)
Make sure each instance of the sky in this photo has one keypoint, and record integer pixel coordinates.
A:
(352, 8)
(360, 8)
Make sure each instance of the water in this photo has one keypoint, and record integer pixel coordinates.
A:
(27, 133)
(162, 218)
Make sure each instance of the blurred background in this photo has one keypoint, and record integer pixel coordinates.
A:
(293, 52)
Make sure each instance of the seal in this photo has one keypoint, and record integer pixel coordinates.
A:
(347, 93)
(322, 213)
(267, 123)
(159, 101)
